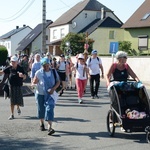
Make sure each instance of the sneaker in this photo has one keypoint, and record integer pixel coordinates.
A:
(51, 131)
(42, 127)
(92, 97)
(122, 129)
(11, 117)
(80, 101)
(18, 111)
(97, 96)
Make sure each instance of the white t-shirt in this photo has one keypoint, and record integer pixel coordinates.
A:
(79, 72)
(62, 66)
(93, 65)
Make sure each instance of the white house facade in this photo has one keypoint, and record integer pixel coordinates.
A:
(85, 17)
(11, 39)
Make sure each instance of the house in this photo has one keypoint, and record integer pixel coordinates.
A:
(137, 28)
(87, 16)
(11, 39)
(33, 40)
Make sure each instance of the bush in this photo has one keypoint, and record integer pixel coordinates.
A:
(3, 55)
(126, 46)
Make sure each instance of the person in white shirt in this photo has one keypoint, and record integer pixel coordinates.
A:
(62, 67)
(94, 64)
(81, 75)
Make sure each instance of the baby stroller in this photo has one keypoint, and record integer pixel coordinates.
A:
(129, 108)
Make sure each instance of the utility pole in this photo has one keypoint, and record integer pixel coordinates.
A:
(44, 27)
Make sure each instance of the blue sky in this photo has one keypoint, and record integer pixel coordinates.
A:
(18, 12)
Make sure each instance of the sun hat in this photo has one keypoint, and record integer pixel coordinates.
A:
(45, 61)
(14, 58)
(80, 56)
(94, 52)
(121, 54)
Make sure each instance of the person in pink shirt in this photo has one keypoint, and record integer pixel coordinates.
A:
(81, 73)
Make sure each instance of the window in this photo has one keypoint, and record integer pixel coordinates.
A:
(85, 15)
(54, 34)
(146, 16)
(143, 42)
(31, 36)
(46, 37)
(62, 32)
(111, 34)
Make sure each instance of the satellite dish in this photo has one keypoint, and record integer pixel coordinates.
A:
(74, 24)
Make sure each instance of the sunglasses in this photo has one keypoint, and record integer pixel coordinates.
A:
(124, 57)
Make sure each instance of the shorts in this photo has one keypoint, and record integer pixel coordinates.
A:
(62, 76)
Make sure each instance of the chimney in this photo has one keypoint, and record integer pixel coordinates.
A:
(17, 27)
(24, 25)
(102, 13)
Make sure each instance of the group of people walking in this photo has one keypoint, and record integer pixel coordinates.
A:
(47, 75)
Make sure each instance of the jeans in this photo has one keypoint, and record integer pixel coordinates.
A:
(96, 79)
(40, 104)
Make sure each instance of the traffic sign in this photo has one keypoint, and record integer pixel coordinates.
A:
(113, 47)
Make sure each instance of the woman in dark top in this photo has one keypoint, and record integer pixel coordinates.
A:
(120, 70)
(15, 75)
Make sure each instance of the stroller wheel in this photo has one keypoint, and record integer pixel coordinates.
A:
(148, 137)
(110, 122)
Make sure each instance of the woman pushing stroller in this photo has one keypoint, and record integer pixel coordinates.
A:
(120, 70)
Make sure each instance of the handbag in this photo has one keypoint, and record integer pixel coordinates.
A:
(5, 88)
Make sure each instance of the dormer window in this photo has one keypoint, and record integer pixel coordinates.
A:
(146, 16)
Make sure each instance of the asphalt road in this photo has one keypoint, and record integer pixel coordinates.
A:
(78, 126)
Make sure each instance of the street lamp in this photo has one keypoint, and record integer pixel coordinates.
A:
(68, 50)
(68, 44)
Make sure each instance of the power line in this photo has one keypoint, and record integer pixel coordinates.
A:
(68, 6)
(64, 3)
(15, 13)
(8, 20)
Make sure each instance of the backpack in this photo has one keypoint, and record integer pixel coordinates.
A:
(60, 85)
(83, 71)
(78, 65)
(64, 62)
(91, 59)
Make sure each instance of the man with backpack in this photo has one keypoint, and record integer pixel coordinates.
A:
(94, 64)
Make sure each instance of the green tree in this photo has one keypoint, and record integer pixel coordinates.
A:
(76, 41)
(126, 46)
(3, 55)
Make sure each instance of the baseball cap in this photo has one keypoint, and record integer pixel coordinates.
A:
(94, 52)
(45, 61)
(14, 58)
(48, 54)
(62, 55)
